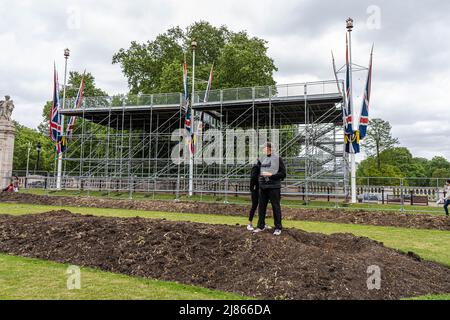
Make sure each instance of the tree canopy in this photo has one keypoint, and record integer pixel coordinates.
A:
(399, 162)
(386, 160)
(378, 139)
(29, 138)
(156, 66)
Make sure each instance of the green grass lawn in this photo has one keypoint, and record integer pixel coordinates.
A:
(25, 278)
(432, 245)
(432, 297)
(243, 200)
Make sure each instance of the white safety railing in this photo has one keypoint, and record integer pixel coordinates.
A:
(283, 91)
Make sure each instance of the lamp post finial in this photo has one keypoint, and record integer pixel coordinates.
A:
(349, 24)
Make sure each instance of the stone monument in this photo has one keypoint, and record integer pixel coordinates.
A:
(7, 134)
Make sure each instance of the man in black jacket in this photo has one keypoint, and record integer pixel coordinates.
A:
(273, 171)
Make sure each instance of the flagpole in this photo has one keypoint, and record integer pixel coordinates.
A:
(191, 158)
(352, 155)
(60, 154)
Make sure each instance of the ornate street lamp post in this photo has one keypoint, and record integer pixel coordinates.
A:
(60, 155)
(191, 159)
(38, 149)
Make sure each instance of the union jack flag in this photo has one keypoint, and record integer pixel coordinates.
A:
(188, 127)
(205, 100)
(185, 85)
(364, 119)
(348, 121)
(187, 107)
(351, 138)
(55, 117)
(208, 86)
(78, 102)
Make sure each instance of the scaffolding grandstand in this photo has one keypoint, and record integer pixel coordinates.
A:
(126, 142)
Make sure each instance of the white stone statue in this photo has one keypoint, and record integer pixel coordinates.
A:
(6, 108)
(7, 135)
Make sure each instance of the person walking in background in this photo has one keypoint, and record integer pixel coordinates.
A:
(447, 198)
(16, 183)
(272, 172)
(254, 189)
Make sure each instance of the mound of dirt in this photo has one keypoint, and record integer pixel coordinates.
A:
(296, 265)
(394, 219)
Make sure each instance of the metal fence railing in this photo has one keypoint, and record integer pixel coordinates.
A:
(432, 188)
(388, 193)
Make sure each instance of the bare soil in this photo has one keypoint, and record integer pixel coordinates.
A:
(296, 265)
(377, 218)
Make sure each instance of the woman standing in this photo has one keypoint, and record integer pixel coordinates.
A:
(447, 197)
(254, 189)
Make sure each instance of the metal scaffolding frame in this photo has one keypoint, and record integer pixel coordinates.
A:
(125, 142)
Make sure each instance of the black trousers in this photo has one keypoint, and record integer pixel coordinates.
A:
(255, 201)
(274, 196)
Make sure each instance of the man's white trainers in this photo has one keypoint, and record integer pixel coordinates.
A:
(277, 232)
(250, 227)
(258, 230)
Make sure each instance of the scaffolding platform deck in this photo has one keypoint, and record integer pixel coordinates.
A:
(280, 104)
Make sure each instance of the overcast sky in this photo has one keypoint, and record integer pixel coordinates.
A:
(411, 83)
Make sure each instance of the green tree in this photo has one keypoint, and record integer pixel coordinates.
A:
(142, 64)
(244, 62)
(29, 138)
(410, 167)
(400, 162)
(378, 139)
(378, 175)
(156, 66)
(170, 79)
(438, 163)
(441, 173)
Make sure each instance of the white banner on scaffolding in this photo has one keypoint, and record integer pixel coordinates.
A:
(237, 146)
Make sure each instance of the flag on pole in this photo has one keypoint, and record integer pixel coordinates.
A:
(348, 125)
(351, 138)
(336, 73)
(77, 105)
(55, 117)
(200, 123)
(352, 141)
(188, 111)
(61, 145)
(364, 119)
(188, 127)
(208, 86)
(185, 85)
